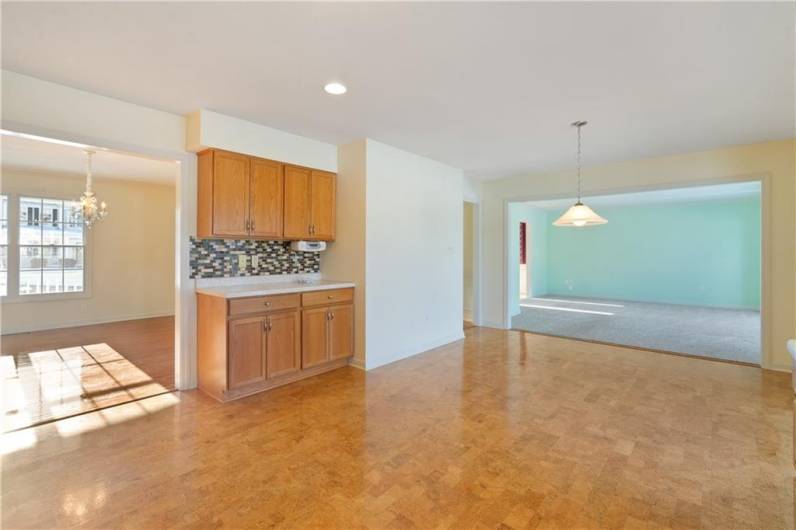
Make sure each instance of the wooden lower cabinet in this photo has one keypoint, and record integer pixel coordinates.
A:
(315, 336)
(283, 344)
(247, 345)
(341, 332)
(328, 334)
(246, 352)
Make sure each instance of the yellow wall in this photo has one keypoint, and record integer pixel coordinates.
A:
(130, 254)
(772, 160)
(344, 258)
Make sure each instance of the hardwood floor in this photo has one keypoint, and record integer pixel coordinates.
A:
(55, 374)
(502, 430)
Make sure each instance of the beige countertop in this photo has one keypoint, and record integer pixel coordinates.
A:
(267, 288)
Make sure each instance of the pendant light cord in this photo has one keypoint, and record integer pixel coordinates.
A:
(579, 178)
(579, 125)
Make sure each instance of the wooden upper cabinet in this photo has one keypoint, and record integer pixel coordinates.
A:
(322, 205)
(246, 352)
(265, 198)
(297, 202)
(247, 197)
(230, 194)
(283, 348)
(341, 332)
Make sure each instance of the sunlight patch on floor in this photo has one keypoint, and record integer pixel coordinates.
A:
(576, 302)
(45, 386)
(570, 309)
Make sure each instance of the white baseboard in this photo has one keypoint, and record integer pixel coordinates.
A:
(416, 350)
(43, 326)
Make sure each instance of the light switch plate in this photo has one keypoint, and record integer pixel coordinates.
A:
(241, 261)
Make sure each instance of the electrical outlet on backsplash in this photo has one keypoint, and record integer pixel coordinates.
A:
(226, 258)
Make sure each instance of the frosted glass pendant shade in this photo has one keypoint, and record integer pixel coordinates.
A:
(579, 215)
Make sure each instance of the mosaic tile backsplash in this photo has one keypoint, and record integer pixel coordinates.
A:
(218, 258)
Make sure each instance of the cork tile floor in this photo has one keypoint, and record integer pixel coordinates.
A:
(504, 429)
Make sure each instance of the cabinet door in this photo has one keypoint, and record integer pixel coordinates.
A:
(265, 198)
(341, 332)
(314, 336)
(297, 203)
(283, 343)
(323, 205)
(246, 352)
(230, 194)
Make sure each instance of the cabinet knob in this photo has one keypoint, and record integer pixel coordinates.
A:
(330, 297)
(268, 304)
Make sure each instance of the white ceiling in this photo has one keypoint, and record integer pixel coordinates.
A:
(680, 195)
(487, 87)
(32, 155)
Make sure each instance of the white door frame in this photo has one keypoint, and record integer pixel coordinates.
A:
(765, 246)
(185, 226)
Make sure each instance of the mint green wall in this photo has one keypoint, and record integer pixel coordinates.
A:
(537, 251)
(699, 253)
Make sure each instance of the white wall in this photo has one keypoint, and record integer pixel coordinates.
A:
(45, 106)
(471, 189)
(414, 254)
(129, 254)
(773, 161)
(209, 129)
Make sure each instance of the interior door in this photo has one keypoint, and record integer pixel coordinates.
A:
(341, 332)
(283, 343)
(246, 352)
(323, 205)
(314, 336)
(230, 194)
(297, 203)
(265, 198)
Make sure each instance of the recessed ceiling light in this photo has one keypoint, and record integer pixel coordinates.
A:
(335, 88)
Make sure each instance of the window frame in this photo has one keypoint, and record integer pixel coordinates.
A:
(12, 295)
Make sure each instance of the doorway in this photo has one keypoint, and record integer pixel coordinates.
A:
(468, 264)
(674, 270)
(88, 312)
(524, 280)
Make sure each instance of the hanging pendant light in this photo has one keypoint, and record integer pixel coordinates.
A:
(91, 209)
(579, 214)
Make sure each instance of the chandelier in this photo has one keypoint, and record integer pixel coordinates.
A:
(91, 209)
